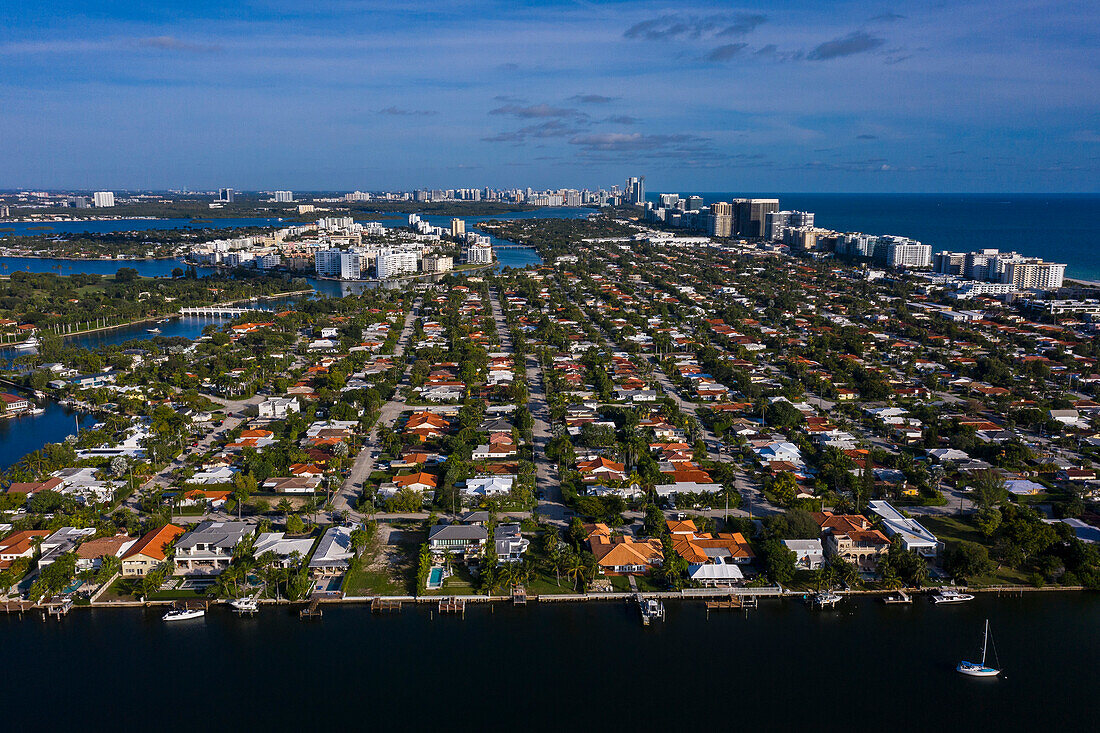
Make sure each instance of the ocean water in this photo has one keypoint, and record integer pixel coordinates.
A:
(1058, 227)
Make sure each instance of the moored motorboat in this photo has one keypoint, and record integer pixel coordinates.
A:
(950, 595)
(245, 605)
(651, 609)
(183, 614)
(826, 599)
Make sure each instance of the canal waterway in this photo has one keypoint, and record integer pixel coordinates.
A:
(110, 226)
(26, 433)
(559, 667)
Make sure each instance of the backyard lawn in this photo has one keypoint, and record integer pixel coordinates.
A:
(952, 530)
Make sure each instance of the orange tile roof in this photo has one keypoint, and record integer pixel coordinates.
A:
(416, 478)
(153, 544)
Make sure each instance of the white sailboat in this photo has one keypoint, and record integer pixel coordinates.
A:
(979, 669)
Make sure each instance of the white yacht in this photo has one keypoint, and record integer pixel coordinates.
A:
(950, 595)
(651, 609)
(28, 344)
(247, 604)
(184, 614)
(979, 669)
(827, 599)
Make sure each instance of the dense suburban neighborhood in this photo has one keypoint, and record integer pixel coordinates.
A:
(643, 413)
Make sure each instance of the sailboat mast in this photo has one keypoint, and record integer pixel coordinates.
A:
(985, 640)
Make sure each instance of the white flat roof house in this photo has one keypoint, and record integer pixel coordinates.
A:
(810, 554)
(913, 535)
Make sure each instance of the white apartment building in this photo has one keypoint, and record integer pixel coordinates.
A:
(908, 253)
(284, 197)
(393, 262)
(1034, 273)
(103, 199)
(479, 254)
(269, 261)
(437, 263)
(458, 226)
(337, 263)
(330, 223)
(775, 222)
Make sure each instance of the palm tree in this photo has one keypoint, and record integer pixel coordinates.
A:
(576, 571)
(311, 507)
(284, 508)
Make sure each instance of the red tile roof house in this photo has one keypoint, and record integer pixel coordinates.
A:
(150, 551)
(14, 404)
(90, 554)
(601, 468)
(33, 487)
(19, 544)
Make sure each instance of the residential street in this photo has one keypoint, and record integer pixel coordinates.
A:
(345, 498)
(546, 480)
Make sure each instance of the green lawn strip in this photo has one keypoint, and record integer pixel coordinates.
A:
(361, 582)
(952, 530)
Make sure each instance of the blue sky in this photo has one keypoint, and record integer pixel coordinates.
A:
(757, 96)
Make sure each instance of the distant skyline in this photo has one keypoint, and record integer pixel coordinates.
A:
(355, 94)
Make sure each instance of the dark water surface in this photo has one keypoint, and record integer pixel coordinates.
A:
(26, 433)
(561, 667)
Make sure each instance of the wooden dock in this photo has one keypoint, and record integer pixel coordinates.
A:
(452, 605)
(734, 602)
(57, 607)
(385, 605)
(519, 596)
(312, 611)
(19, 607)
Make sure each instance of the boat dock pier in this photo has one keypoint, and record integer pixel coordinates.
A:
(19, 607)
(734, 602)
(312, 611)
(57, 607)
(453, 605)
(385, 605)
(217, 311)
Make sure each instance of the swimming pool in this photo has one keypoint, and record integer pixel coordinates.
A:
(435, 578)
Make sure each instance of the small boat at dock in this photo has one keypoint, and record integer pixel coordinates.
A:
(950, 595)
(652, 610)
(827, 599)
(183, 614)
(899, 597)
(245, 605)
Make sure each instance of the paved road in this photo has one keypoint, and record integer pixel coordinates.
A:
(346, 497)
(551, 506)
